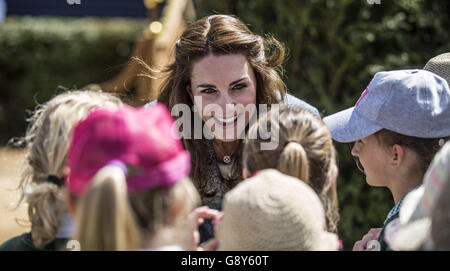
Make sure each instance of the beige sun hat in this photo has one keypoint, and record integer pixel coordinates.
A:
(440, 65)
(273, 211)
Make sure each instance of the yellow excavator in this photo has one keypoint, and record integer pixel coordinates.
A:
(154, 46)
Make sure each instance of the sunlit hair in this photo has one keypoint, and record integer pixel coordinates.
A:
(305, 151)
(221, 35)
(109, 218)
(46, 143)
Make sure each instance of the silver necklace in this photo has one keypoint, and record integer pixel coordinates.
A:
(227, 159)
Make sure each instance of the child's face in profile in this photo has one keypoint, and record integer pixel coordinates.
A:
(373, 158)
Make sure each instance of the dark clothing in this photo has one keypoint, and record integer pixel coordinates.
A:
(24, 242)
(393, 214)
(383, 245)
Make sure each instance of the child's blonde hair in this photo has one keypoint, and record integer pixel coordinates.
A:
(128, 179)
(305, 150)
(46, 141)
(109, 218)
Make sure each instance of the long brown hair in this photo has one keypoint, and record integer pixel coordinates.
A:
(305, 150)
(220, 35)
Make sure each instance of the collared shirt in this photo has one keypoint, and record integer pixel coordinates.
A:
(393, 214)
(396, 209)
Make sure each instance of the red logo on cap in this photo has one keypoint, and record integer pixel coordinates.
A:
(364, 93)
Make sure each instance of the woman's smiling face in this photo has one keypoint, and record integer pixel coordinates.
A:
(222, 82)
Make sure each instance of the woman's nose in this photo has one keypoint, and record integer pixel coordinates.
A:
(229, 109)
(227, 99)
(227, 105)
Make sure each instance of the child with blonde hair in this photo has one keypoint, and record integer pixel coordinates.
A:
(273, 211)
(42, 183)
(398, 124)
(128, 183)
(305, 150)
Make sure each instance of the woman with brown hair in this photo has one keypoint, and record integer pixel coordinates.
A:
(220, 62)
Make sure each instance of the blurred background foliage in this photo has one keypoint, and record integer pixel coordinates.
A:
(41, 56)
(334, 49)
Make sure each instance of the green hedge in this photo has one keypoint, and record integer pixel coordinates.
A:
(39, 54)
(335, 47)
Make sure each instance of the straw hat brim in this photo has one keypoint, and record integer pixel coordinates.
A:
(440, 65)
(404, 233)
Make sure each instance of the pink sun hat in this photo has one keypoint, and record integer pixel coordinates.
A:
(141, 141)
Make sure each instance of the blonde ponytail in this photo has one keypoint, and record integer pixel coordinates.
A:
(46, 202)
(294, 161)
(105, 219)
(46, 142)
(305, 151)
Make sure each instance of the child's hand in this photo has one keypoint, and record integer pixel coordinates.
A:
(372, 235)
(192, 236)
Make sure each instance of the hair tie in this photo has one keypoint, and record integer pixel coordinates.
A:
(290, 141)
(118, 164)
(55, 180)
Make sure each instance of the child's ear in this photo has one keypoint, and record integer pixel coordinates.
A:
(397, 155)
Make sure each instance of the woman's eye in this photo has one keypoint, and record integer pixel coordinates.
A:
(208, 91)
(239, 86)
